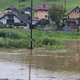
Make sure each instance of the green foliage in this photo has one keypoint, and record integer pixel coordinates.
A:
(63, 24)
(47, 41)
(10, 34)
(10, 26)
(77, 51)
(18, 24)
(47, 28)
(39, 29)
(1, 26)
(13, 43)
(56, 13)
(20, 38)
(4, 25)
(47, 22)
(22, 11)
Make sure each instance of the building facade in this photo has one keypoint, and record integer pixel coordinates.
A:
(41, 11)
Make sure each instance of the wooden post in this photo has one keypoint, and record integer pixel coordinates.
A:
(31, 23)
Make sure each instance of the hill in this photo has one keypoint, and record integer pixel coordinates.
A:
(70, 4)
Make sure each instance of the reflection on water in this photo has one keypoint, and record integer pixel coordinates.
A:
(39, 64)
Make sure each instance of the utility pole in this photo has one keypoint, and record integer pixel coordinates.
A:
(31, 23)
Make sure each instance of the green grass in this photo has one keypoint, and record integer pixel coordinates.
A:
(20, 38)
(70, 4)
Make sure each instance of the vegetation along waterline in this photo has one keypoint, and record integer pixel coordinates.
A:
(20, 38)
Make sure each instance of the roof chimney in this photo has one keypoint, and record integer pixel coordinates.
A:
(43, 5)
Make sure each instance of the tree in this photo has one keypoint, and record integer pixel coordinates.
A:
(22, 11)
(56, 13)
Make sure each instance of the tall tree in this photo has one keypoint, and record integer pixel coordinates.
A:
(56, 13)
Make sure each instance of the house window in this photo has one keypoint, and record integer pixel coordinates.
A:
(45, 16)
(68, 16)
(10, 17)
(45, 10)
(75, 11)
(28, 10)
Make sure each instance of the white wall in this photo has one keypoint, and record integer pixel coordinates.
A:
(16, 19)
(3, 20)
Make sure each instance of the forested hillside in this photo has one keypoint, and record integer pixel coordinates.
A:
(70, 4)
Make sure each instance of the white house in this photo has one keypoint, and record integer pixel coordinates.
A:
(11, 16)
(27, 10)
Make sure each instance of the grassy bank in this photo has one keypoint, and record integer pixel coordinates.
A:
(20, 38)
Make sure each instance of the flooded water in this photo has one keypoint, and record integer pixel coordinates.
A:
(41, 64)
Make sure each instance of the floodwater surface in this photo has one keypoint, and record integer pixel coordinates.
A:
(41, 64)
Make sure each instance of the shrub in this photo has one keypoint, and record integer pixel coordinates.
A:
(18, 24)
(10, 26)
(1, 26)
(47, 41)
(4, 25)
(39, 29)
(10, 34)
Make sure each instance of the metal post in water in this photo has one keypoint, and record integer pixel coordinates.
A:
(30, 65)
(31, 24)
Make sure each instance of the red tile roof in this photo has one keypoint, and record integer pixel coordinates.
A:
(42, 7)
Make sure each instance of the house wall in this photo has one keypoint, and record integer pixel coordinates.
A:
(3, 20)
(27, 12)
(74, 14)
(16, 19)
(41, 14)
(73, 24)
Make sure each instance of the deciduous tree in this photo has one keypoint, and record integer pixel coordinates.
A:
(56, 13)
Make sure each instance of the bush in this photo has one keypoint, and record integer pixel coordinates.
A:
(47, 41)
(63, 24)
(18, 24)
(4, 25)
(10, 26)
(10, 34)
(13, 43)
(39, 29)
(1, 26)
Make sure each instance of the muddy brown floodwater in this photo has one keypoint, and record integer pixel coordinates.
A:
(41, 64)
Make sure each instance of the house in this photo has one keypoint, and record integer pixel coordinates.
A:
(27, 10)
(73, 17)
(41, 10)
(37, 22)
(11, 16)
